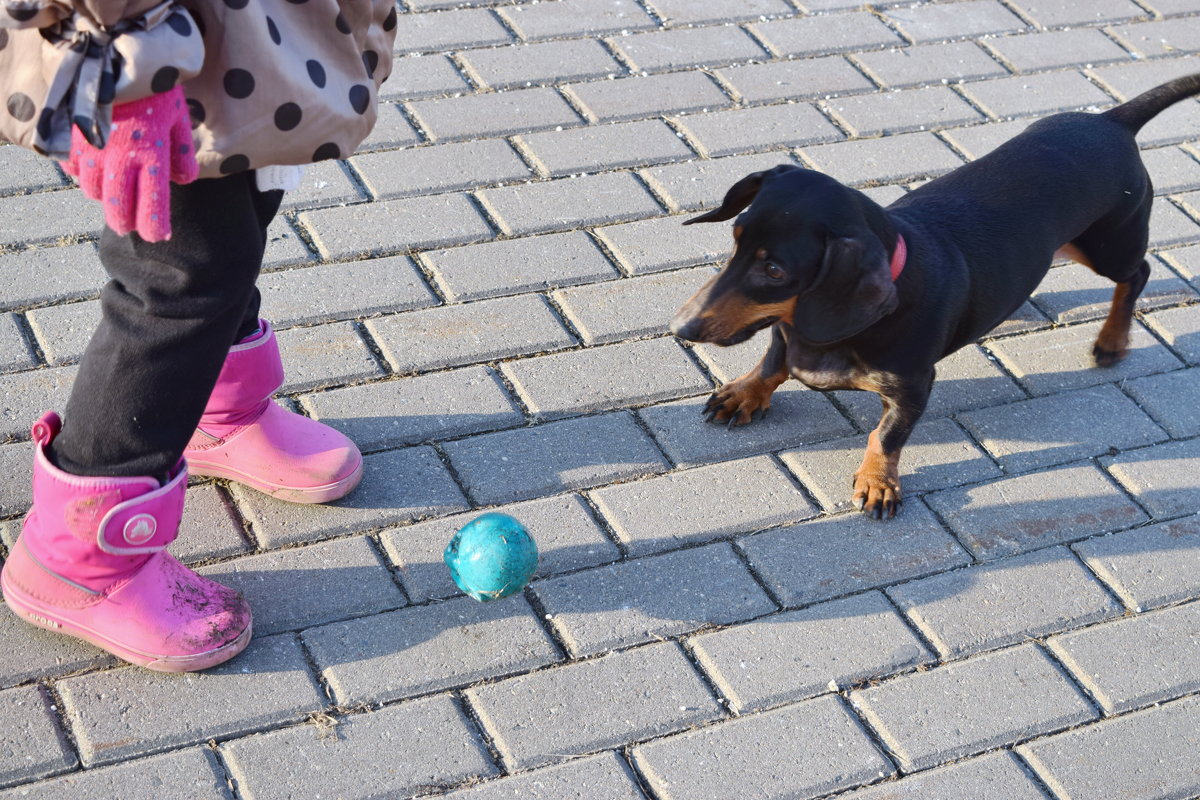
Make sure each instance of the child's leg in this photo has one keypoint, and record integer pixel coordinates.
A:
(170, 314)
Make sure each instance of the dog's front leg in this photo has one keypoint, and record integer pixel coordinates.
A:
(877, 481)
(739, 401)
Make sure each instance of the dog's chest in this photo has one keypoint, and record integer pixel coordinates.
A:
(828, 369)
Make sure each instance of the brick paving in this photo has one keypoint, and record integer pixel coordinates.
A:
(479, 296)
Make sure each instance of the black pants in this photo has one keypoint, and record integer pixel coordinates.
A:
(170, 313)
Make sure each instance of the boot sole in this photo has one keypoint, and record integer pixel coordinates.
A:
(46, 617)
(307, 495)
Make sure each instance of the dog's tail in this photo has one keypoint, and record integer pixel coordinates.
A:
(1135, 113)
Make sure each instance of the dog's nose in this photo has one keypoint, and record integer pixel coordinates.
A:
(685, 326)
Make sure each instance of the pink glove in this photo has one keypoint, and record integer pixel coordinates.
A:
(149, 147)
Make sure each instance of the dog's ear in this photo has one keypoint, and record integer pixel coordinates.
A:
(853, 290)
(740, 195)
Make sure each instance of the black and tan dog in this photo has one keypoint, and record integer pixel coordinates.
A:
(863, 297)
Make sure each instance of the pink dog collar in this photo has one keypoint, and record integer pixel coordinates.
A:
(898, 257)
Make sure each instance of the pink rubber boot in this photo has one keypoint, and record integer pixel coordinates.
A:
(246, 437)
(91, 562)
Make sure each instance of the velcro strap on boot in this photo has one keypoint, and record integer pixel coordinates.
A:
(147, 523)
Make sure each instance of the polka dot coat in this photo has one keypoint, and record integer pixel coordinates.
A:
(268, 82)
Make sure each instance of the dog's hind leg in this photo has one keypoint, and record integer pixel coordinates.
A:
(1112, 343)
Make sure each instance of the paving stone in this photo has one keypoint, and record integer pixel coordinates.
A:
(1073, 292)
(967, 379)
(1186, 262)
(763, 751)
(209, 529)
(1040, 94)
(453, 335)
(722, 133)
(569, 203)
(418, 76)
(680, 48)
(392, 129)
(1170, 400)
(1136, 661)
(378, 228)
(924, 23)
(699, 184)
(839, 555)
(952, 62)
(800, 654)
(663, 243)
(117, 715)
(567, 535)
(1159, 37)
(1024, 319)
(493, 114)
(798, 416)
(979, 140)
(397, 486)
(63, 332)
(425, 649)
(901, 111)
(980, 704)
(23, 171)
(325, 183)
(546, 62)
(15, 352)
(592, 705)
(348, 762)
(1176, 124)
(29, 653)
(518, 265)
(440, 168)
(448, 30)
(994, 775)
(650, 599)
(575, 18)
(631, 307)
(1051, 430)
(603, 147)
(687, 12)
(1170, 226)
(48, 218)
(604, 775)
(821, 35)
(1163, 478)
(641, 96)
(304, 586)
(444, 405)
(1027, 512)
(1054, 13)
(804, 79)
(569, 454)
(1149, 566)
(891, 159)
(338, 291)
(1142, 755)
(25, 395)
(192, 773)
(34, 746)
(938, 455)
(76, 269)
(325, 355)
(1030, 52)
(1006, 602)
(605, 377)
(16, 461)
(730, 498)
(1173, 170)
(285, 248)
(1052, 361)
(1179, 328)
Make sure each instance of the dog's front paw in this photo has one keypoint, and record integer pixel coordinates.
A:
(877, 492)
(739, 402)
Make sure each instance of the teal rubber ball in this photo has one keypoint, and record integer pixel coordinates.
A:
(492, 556)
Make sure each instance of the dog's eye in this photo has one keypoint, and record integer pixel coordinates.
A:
(774, 271)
